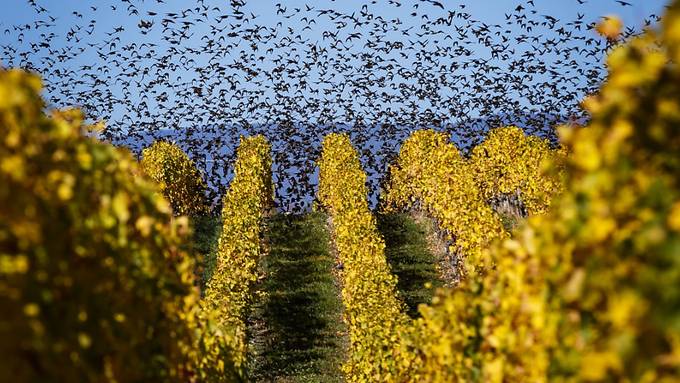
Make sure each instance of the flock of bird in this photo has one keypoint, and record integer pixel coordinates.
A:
(207, 72)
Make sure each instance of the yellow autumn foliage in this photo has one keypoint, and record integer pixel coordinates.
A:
(378, 345)
(431, 174)
(248, 200)
(458, 334)
(177, 176)
(509, 163)
(608, 250)
(94, 285)
(95, 281)
(447, 342)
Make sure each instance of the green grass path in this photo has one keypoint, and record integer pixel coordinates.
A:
(206, 232)
(407, 252)
(296, 329)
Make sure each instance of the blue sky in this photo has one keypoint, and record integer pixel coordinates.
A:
(73, 17)
(19, 11)
(491, 11)
(70, 15)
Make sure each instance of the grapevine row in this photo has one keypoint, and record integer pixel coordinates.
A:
(177, 177)
(378, 345)
(229, 291)
(466, 328)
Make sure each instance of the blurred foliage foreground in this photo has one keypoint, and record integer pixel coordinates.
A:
(96, 283)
